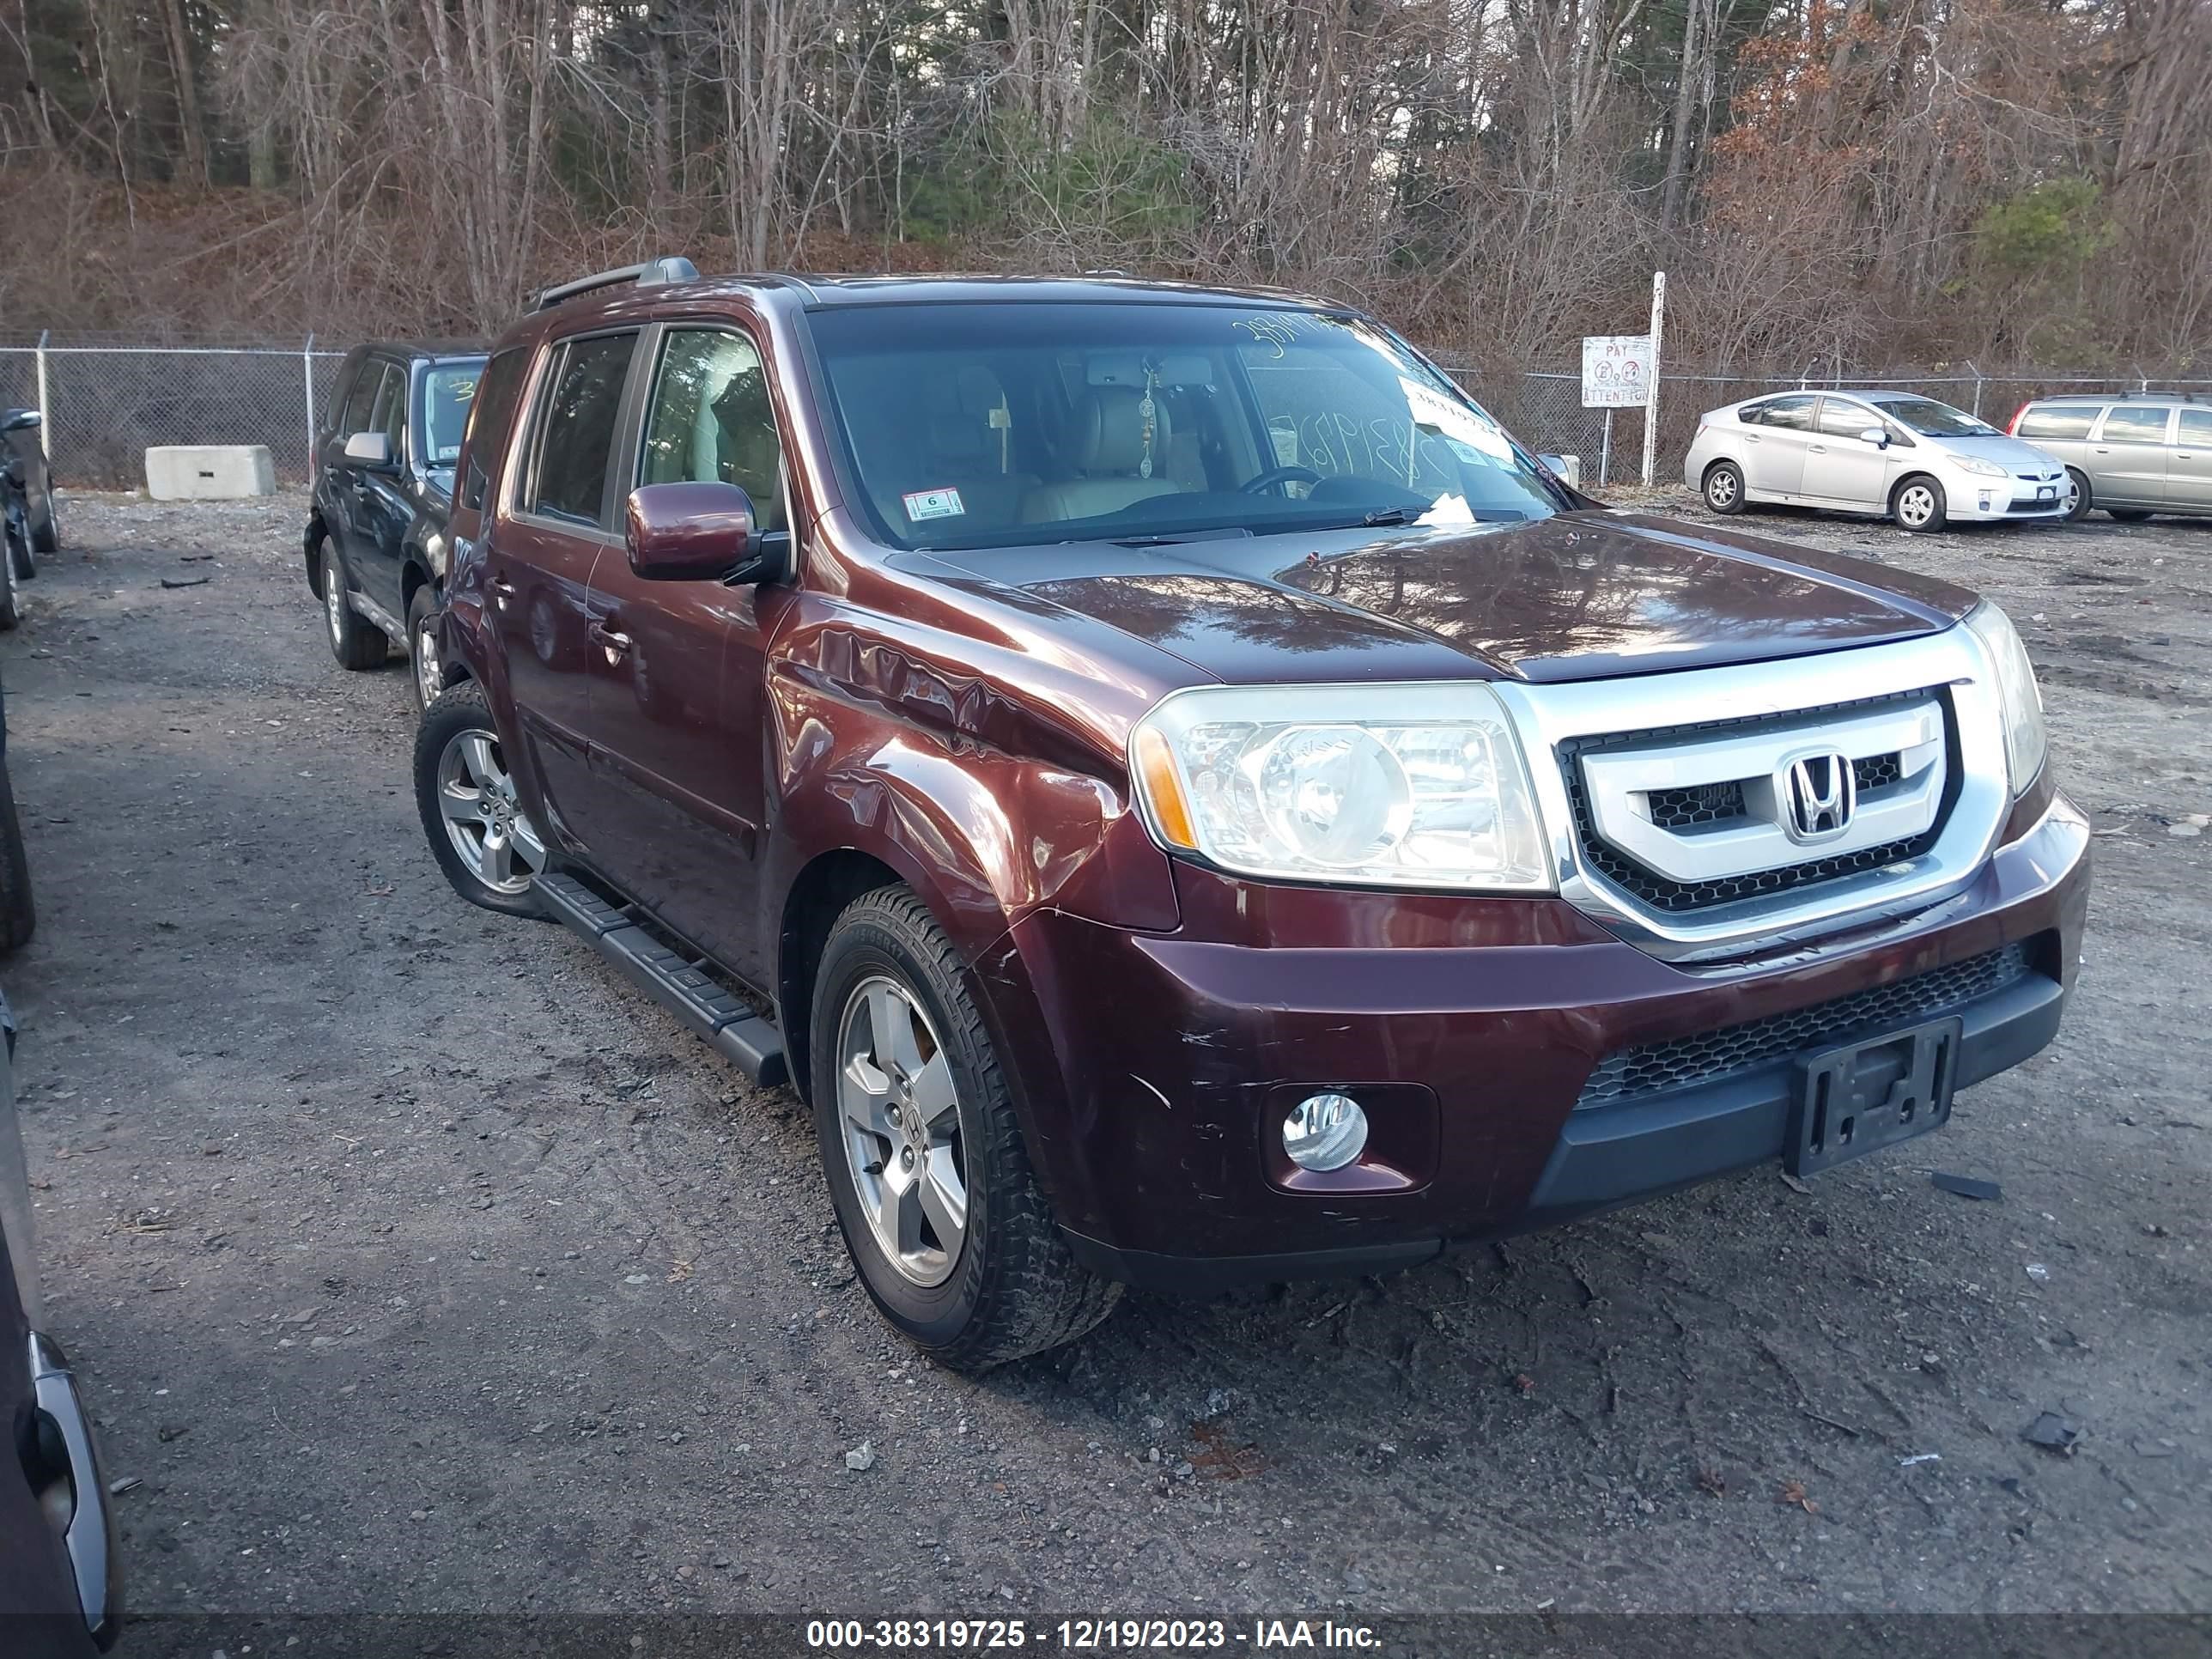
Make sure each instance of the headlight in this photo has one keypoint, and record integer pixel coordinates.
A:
(2024, 741)
(1399, 786)
(1980, 468)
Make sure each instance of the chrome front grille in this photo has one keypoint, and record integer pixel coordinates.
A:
(1696, 817)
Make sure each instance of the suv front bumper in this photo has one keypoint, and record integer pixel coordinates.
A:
(1156, 1069)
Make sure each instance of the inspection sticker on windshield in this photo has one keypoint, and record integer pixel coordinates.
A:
(932, 504)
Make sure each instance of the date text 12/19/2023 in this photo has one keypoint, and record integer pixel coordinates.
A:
(1085, 1635)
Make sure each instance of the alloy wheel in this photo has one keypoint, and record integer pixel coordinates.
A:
(899, 1108)
(496, 842)
(429, 675)
(1915, 506)
(1720, 490)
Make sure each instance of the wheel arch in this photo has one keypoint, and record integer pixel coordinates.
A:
(311, 548)
(818, 897)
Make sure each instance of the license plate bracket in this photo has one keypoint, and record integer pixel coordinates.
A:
(2047, 492)
(1857, 1099)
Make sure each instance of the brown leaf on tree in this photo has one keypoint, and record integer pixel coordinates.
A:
(1792, 1491)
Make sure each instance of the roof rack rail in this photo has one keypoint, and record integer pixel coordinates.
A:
(669, 268)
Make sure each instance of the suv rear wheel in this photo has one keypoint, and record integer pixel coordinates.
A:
(355, 641)
(923, 1152)
(478, 832)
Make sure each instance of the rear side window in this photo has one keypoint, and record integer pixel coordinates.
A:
(361, 402)
(2197, 428)
(2135, 426)
(576, 428)
(1792, 414)
(490, 415)
(2057, 421)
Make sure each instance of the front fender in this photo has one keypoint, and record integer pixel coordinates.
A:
(984, 834)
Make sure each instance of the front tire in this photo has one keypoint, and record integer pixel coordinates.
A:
(47, 525)
(1724, 487)
(426, 674)
(923, 1154)
(2082, 503)
(477, 830)
(1919, 505)
(355, 641)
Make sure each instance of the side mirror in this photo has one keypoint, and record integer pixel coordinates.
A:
(1567, 469)
(369, 449)
(22, 420)
(692, 532)
(1878, 436)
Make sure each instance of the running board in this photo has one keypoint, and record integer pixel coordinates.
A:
(684, 986)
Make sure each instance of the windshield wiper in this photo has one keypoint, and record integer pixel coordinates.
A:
(1384, 515)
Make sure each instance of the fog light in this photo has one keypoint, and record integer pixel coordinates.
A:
(1325, 1132)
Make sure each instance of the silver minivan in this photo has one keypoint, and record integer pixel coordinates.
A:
(2132, 455)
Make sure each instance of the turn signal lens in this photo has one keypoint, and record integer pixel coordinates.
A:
(1163, 788)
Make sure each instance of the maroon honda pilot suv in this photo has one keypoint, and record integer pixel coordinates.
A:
(1187, 799)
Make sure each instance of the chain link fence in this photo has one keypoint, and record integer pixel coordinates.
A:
(107, 401)
(106, 405)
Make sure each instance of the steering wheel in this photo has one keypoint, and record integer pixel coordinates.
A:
(1275, 474)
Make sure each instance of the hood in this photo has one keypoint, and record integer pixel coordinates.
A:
(2009, 453)
(1585, 595)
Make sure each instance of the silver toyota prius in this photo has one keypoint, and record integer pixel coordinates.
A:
(1895, 454)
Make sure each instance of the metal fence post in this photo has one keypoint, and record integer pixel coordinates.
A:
(307, 370)
(1651, 388)
(46, 404)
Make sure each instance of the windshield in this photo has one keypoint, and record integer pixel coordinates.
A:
(447, 391)
(998, 425)
(1934, 420)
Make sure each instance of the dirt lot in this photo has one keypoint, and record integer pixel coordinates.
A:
(416, 1262)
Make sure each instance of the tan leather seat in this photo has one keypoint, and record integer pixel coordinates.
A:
(1110, 451)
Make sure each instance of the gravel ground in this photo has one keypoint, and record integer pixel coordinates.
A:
(416, 1263)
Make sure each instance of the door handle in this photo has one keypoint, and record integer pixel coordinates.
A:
(500, 586)
(613, 641)
(1816, 449)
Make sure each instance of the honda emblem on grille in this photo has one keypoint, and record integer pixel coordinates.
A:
(1819, 793)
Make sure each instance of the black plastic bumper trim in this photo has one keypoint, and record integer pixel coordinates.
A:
(1609, 1156)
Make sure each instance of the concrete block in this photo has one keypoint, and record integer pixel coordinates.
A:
(209, 473)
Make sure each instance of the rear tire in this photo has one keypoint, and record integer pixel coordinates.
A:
(2127, 514)
(355, 641)
(909, 1097)
(18, 918)
(425, 673)
(1723, 487)
(478, 833)
(2083, 502)
(1918, 505)
(47, 525)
